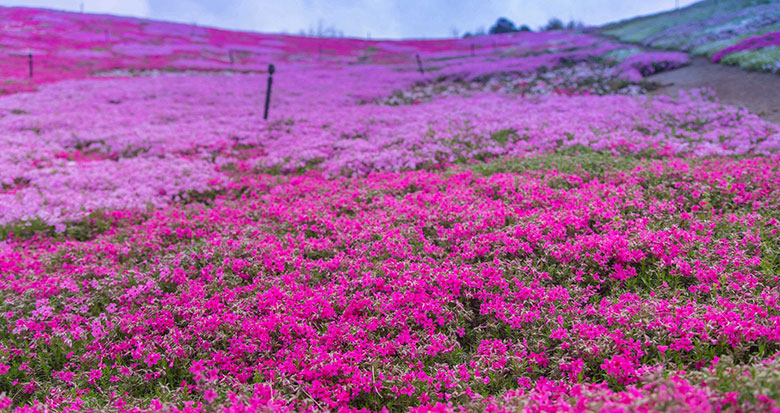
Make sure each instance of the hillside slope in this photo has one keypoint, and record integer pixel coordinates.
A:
(506, 223)
(67, 45)
(738, 32)
(116, 94)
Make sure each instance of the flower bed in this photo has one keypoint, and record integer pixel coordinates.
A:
(401, 289)
(501, 232)
(752, 43)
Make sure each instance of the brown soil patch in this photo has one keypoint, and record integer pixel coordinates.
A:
(758, 92)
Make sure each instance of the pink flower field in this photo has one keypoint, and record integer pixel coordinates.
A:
(523, 226)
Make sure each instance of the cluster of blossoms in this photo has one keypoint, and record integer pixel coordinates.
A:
(77, 46)
(597, 279)
(640, 65)
(577, 79)
(152, 140)
(77, 147)
(487, 245)
(752, 43)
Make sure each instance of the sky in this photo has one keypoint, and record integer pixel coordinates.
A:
(364, 18)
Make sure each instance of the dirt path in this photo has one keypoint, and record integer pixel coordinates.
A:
(759, 92)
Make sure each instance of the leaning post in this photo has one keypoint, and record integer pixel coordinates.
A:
(271, 70)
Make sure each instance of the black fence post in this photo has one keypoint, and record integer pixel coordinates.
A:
(30, 64)
(271, 70)
(472, 49)
(419, 65)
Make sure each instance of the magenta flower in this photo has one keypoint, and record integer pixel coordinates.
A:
(152, 359)
(209, 395)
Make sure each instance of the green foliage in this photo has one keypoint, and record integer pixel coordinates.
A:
(747, 380)
(26, 229)
(575, 160)
(85, 229)
(201, 197)
(504, 135)
(764, 59)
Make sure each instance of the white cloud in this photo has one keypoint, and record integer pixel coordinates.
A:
(595, 12)
(190, 12)
(377, 17)
(380, 18)
(404, 18)
(139, 8)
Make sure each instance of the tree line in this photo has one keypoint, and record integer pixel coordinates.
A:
(504, 25)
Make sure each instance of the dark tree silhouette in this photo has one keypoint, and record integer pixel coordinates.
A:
(553, 24)
(502, 25)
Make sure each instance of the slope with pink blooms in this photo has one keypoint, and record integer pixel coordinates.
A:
(517, 226)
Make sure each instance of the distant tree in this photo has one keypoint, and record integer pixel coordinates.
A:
(322, 31)
(502, 25)
(553, 24)
(574, 25)
(455, 32)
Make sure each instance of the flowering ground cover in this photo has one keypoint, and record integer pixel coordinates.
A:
(78, 46)
(517, 226)
(627, 284)
(738, 32)
(143, 137)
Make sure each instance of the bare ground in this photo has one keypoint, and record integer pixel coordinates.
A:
(758, 92)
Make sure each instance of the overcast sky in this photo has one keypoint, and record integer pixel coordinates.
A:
(358, 18)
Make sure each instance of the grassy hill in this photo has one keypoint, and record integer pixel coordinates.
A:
(742, 30)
